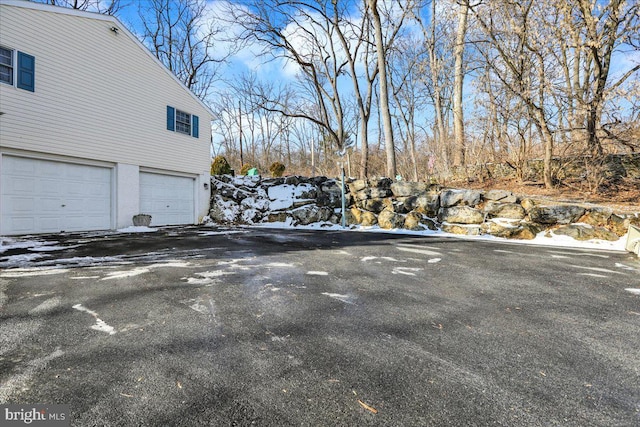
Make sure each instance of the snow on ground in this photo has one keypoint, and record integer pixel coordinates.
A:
(8, 243)
(137, 229)
(100, 324)
(542, 239)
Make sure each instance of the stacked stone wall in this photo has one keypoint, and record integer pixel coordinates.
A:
(408, 205)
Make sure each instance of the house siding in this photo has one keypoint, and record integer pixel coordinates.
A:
(98, 96)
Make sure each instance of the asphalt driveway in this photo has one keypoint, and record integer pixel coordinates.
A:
(205, 326)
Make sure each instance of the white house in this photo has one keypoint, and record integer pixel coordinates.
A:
(93, 128)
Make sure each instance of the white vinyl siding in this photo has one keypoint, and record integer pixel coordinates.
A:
(111, 87)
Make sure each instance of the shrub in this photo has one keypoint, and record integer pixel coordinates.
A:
(220, 166)
(245, 168)
(276, 169)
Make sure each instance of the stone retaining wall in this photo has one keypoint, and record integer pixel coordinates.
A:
(407, 205)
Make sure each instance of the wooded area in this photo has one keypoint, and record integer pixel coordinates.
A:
(410, 87)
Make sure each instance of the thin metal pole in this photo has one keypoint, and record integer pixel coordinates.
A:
(240, 118)
(344, 199)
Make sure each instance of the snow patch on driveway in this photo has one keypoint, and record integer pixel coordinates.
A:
(142, 270)
(407, 271)
(418, 250)
(100, 324)
(342, 298)
(206, 278)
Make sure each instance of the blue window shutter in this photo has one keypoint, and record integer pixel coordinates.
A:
(26, 72)
(195, 126)
(171, 118)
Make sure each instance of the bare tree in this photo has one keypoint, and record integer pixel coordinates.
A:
(385, 109)
(513, 50)
(458, 84)
(436, 71)
(105, 7)
(184, 38)
(297, 32)
(404, 73)
(606, 26)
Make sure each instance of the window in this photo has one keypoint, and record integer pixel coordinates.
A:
(24, 71)
(183, 122)
(6, 65)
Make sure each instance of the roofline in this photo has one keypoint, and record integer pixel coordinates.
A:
(25, 4)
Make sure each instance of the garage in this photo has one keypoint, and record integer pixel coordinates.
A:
(169, 199)
(47, 196)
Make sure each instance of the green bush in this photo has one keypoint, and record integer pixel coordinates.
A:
(245, 168)
(220, 166)
(276, 169)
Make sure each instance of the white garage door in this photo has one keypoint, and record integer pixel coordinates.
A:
(43, 196)
(168, 199)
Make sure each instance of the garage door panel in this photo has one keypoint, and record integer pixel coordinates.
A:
(24, 204)
(47, 186)
(46, 205)
(168, 199)
(40, 196)
(21, 167)
(23, 225)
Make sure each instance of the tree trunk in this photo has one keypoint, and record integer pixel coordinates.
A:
(385, 110)
(458, 118)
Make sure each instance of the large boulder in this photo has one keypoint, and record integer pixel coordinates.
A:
(427, 204)
(501, 196)
(377, 205)
(287, 196)
(586, 232)
(504, 210)
(408, 188)
(460, 215)
(500, 228)
(454, 197)
(309, 214)
(372, 193)
(527, 231)
(618, 224)
(382, 183)
(418, 221)
(228, 190)
(330, 195)
(389, 219)
(597, 216)
(510, 229)
(462, 229)
(277, 217)
(224, 211)
(527, 204)
(362, 217)
(556, 214)
(357, 185)
(245, 181)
